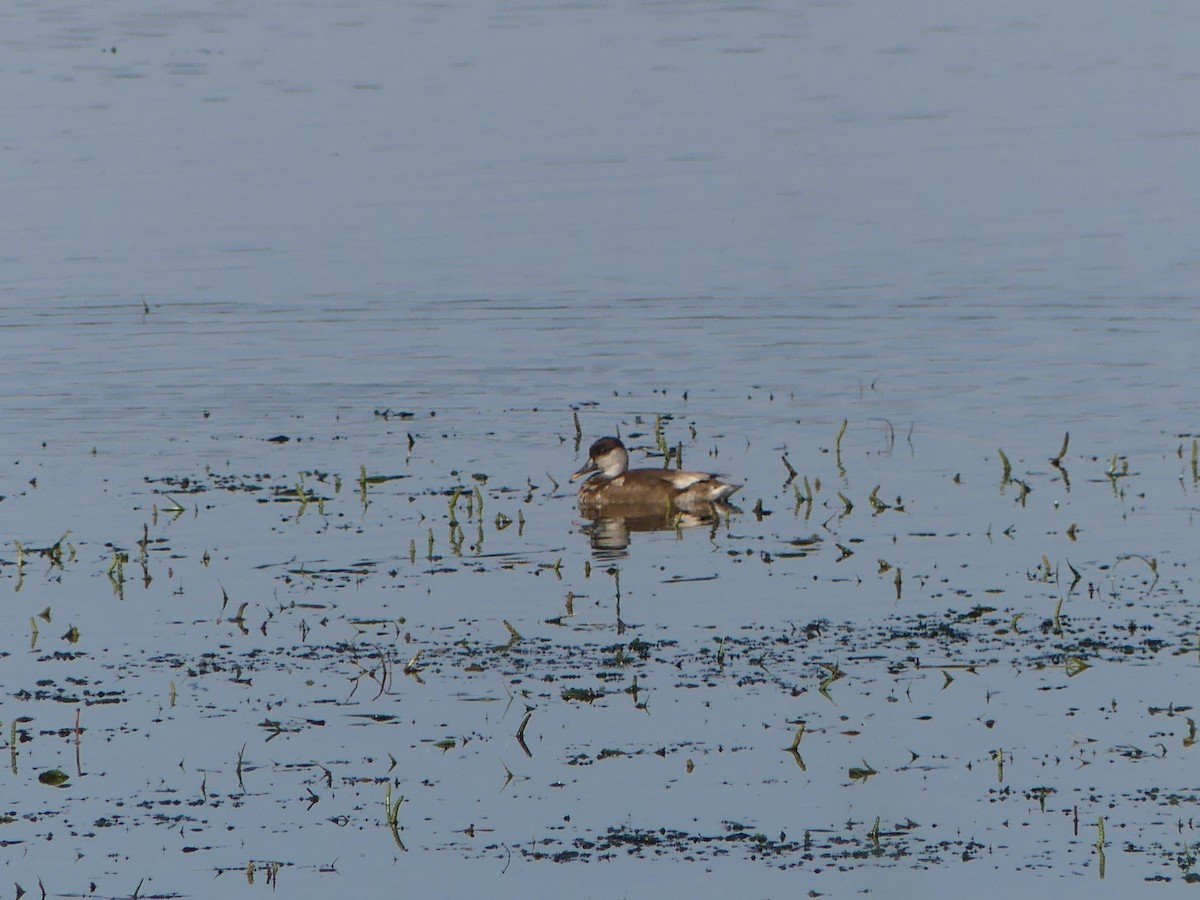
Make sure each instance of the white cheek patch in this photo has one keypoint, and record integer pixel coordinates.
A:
(611, 466)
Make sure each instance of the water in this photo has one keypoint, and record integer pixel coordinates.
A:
(418, 241)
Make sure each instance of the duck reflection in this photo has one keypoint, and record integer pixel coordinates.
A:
(609, 527)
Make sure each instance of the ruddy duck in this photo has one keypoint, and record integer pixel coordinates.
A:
(611, 484)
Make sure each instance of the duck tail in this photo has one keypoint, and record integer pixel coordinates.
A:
(721, 491)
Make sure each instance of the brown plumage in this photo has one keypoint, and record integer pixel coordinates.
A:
(611, 483)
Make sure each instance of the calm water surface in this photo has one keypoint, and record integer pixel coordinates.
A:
(424, 240)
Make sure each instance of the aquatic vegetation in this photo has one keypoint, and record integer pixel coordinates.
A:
(407, 639)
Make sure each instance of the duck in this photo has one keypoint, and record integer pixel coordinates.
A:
(610, 485)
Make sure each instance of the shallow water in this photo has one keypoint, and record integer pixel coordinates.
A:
(453, 247)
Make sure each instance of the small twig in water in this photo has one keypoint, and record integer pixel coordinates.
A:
(1057, 460)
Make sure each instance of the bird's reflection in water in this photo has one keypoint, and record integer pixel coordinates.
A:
(609, 528)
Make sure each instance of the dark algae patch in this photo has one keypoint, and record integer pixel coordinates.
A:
(813, 851)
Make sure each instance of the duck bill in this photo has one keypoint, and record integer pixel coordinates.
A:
(586, 469)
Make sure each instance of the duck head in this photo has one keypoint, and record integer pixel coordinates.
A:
(608, 457)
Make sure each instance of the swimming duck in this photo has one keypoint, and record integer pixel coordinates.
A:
(611, 484)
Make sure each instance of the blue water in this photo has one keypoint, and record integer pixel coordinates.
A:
(547, 204)
(960, 230)
(432, 151)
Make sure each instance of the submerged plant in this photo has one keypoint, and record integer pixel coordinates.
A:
(862, 773)
(392, 809)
